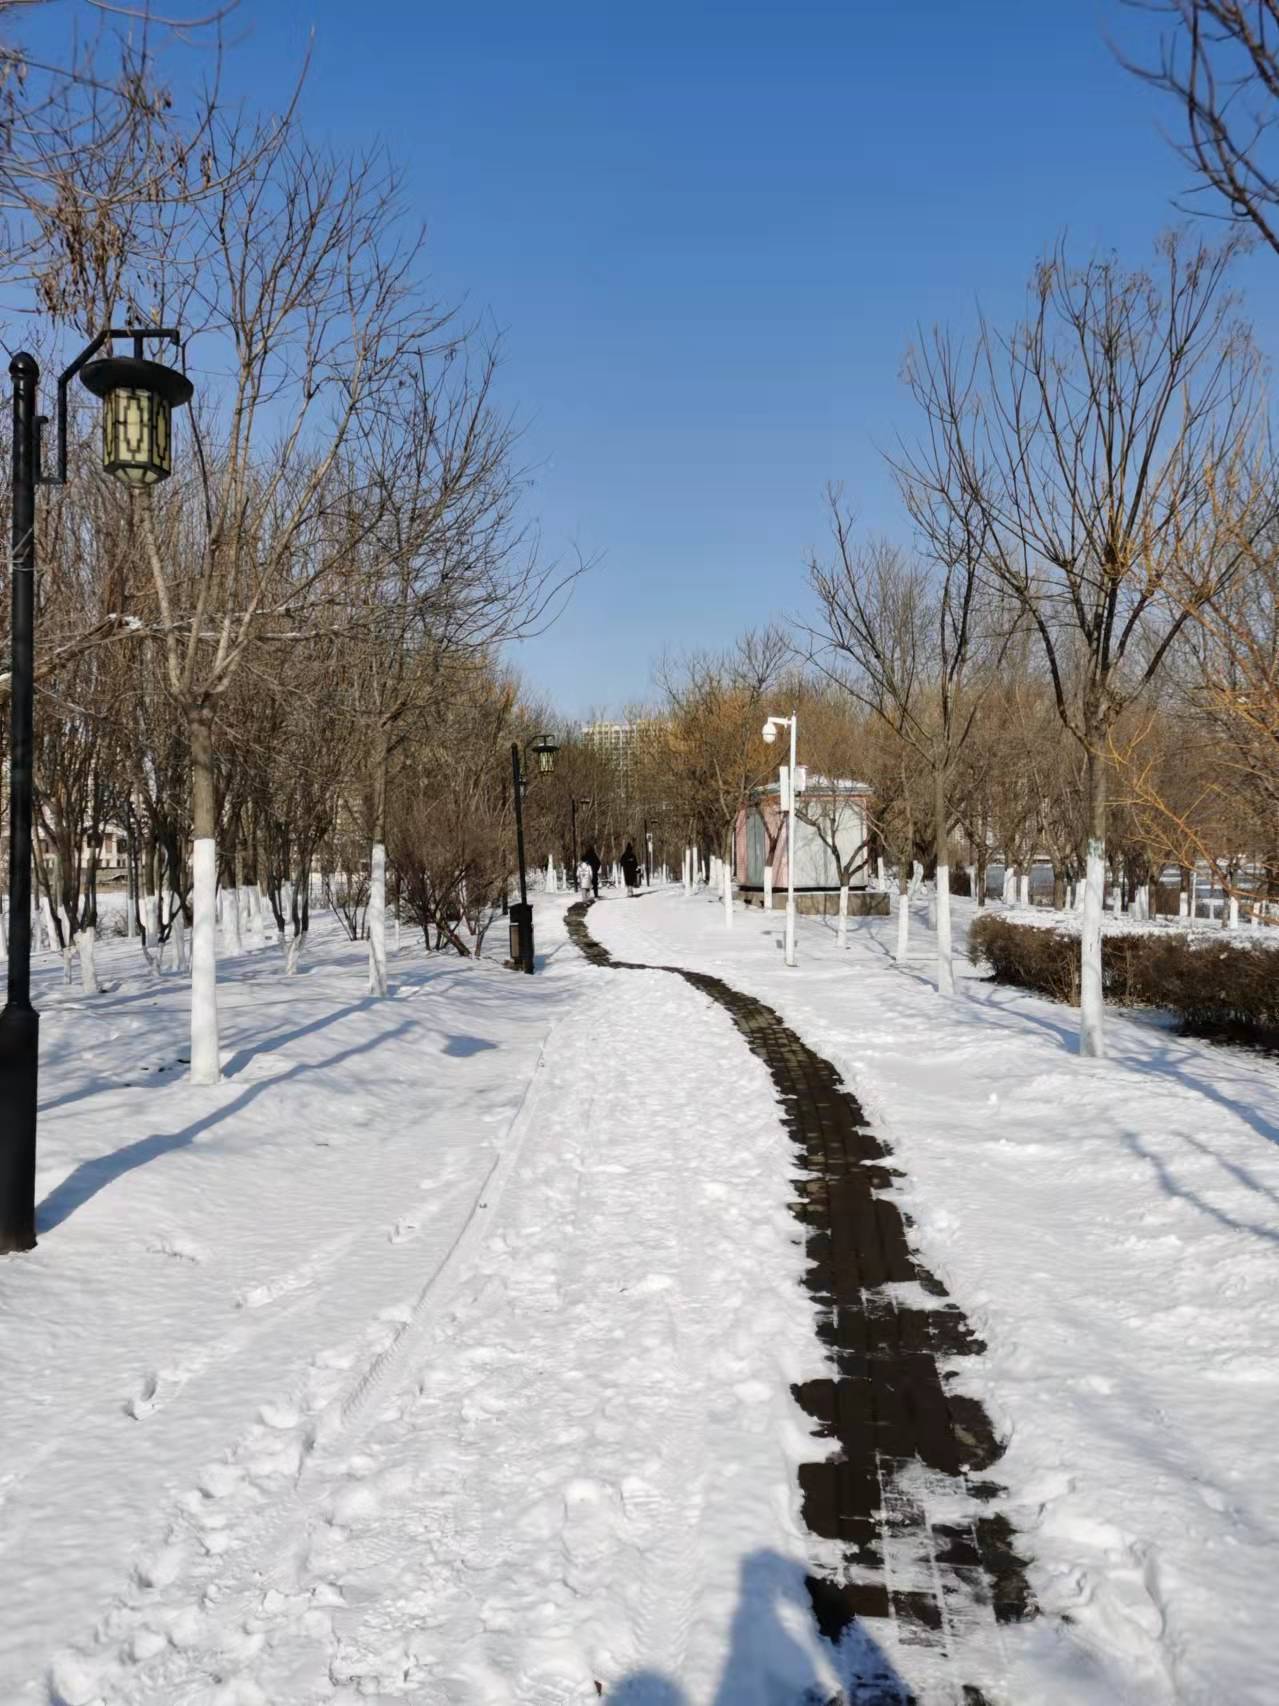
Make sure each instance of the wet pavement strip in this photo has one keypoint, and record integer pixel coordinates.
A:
(907, 1492)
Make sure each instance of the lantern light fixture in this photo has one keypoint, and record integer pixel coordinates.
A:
(138, 399)
(546, 750)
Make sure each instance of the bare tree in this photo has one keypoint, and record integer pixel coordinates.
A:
(904, 640)
(717, 703)
(1086, 437)
(1219, 61)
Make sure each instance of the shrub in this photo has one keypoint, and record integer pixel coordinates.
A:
(1224, 988)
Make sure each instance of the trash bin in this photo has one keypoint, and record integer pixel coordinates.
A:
(521, 927)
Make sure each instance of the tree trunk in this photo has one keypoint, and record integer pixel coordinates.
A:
(903, 914)
(376, 914)
(726, 879)
(945, 965)
(85, 946)
(1091, 1026)
(206, 1066)
(843, 915)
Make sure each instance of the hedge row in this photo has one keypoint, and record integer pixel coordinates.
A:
(1221, 988)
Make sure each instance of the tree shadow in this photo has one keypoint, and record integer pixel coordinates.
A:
(1173, 1187)
(235, 1063)
(460, 1047)
(769, 1661)
(89, 1177)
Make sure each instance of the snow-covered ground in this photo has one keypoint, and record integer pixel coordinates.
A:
(442, 1352)
(1112, 1229)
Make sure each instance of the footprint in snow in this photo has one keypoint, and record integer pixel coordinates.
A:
(156, 1391)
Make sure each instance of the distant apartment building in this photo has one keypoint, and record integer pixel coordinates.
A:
(619, 740)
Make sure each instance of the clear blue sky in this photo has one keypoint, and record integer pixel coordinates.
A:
(708, 232)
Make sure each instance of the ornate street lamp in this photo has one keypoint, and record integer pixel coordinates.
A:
(521, 916)
(137, 446)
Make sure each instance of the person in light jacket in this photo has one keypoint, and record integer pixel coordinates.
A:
(592, 858)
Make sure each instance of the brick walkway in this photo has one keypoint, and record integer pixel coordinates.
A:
(909, 1444)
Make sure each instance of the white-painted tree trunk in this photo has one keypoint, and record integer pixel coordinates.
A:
(903, 924)
(377, 920)
(68, 954)
(46, 918)
(945, 961)
(233, 934)
(293, 953)
(178, 933)
(1023, 889)
(151, 929)
(130, 915)
(1232, 917)
(206, 1064)
(1183, 905)
(85, 946)
(1007, 887)
(1091, 1023)
(1142, 902)
(842, 932)
(768, 888)
(880, 877)
(550, 876)
(727, 890)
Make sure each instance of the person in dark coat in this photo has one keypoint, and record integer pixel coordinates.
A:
(630, 870)
(592, 858)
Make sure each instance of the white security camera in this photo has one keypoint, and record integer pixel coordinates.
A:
(770, 733)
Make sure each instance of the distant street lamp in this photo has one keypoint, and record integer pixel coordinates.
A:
(521, 919)
(574, 803)
(137, 446)
(770, 729)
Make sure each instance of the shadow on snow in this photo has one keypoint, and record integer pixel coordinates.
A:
(91, 1176)
(766, 1664)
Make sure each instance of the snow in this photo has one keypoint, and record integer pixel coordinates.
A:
(1111, 1229)
(438, 1352)
(1201, 932)
(442, 1351)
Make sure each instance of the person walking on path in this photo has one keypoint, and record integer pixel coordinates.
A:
(630, 871)
(592, 858)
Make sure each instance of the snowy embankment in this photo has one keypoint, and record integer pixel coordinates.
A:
(1112, 1228)
(442, 1352)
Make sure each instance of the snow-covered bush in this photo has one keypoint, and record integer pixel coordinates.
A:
(1223, 987)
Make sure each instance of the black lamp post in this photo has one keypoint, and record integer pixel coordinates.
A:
(574, 803)
(138, 397)
(521, 916)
